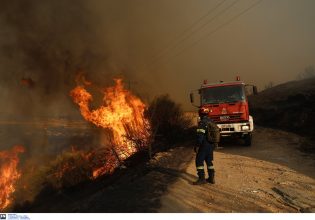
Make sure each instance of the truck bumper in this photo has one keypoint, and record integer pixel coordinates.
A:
(230, 129)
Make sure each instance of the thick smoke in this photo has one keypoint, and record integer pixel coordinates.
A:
(43, 46)
(44, 43)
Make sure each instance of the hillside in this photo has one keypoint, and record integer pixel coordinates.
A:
(289, 106)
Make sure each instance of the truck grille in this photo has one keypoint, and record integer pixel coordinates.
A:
(226, 118)
(227, 129)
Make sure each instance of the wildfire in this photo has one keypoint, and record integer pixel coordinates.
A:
(9, 174)
(121, 112)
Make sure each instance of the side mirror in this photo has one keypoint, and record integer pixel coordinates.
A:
(255, 91)
(191, 97)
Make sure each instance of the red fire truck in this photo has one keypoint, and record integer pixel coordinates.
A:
(228, 107)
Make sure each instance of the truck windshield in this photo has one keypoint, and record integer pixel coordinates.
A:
(222, 94)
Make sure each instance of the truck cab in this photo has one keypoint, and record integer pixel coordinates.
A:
(228, 108)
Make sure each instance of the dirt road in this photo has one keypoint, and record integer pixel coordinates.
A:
(270, 176)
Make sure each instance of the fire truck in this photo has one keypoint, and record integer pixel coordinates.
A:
(228, 107)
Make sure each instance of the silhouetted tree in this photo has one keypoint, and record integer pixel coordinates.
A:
(167, 118)
(269, 85)
(308, 72)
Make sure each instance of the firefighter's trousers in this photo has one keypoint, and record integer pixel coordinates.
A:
(204, 154)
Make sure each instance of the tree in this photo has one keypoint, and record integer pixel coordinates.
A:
(167, 118)
(269, 85)
(308, 72)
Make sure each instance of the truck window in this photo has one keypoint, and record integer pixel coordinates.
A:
(222, 94)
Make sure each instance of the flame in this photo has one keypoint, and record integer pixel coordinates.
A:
(108, 161)
(9, 174)
(122, 113)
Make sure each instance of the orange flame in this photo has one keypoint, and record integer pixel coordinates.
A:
(9, 174)
(121, 112)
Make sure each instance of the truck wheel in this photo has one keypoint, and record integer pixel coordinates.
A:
(248, 140)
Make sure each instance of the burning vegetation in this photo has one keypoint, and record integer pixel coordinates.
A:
(77, 166)
(126, 125)
(126, 130)
(9, 174)
(121, 115)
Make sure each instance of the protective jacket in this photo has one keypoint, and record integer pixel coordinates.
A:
(202, 131)
(205, 149)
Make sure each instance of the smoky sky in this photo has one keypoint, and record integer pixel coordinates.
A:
(150, 44)
(46, 42)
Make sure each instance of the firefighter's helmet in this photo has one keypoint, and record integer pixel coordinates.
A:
(203, 111)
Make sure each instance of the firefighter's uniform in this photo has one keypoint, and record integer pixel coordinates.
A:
(205, 152)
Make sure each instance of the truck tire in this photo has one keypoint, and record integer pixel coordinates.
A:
(248, 140)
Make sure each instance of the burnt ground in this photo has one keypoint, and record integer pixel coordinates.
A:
(289, 106)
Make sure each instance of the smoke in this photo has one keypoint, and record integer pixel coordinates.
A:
(43, 45)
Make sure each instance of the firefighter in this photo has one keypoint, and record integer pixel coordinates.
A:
(204, 150)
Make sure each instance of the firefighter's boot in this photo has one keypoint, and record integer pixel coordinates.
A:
(201, 178)
(211, 176)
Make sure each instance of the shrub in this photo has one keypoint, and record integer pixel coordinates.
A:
(167, 119)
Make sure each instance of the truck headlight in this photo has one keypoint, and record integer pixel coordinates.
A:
(245, 127)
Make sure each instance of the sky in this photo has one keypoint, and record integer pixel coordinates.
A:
(271, 42)
(158, 46)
